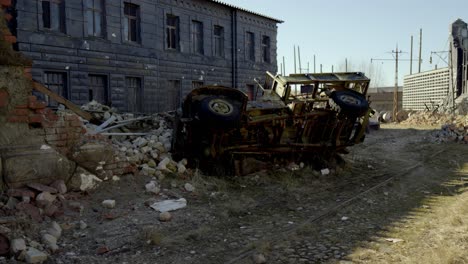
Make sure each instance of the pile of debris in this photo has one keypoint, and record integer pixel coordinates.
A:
(39, 202)
(144, 140)
(454, 128)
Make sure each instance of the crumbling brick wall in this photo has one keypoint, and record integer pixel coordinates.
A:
(25, 120)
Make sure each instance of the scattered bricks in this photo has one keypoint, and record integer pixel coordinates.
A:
(5, 3)
(10, 39)
(4, 97)
(108, 204)
(32, 99)
(18, 245)
(75, 123)
(20, 112)
(44, 199)
(35, 119)
(60, 186)
(30, 210)
(24, 106)
(27, 73)
(18, 119)
(50, 131)
(45, 111)
(37, 105)
(20, 193)
(35, 256)
(50, 210)
(55, 229)
(41, 187)
(8, 17)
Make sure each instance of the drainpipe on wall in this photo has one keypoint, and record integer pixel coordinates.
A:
(234, 47)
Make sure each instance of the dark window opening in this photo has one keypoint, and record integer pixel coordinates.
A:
(57, 83)
(53, 15)
(98, 89)
(266, 49)
(251, 91)
(197, 84)
(134, 95)
(132, 22)
(197, 37)
(174, 94)
(172, 32)
(218, 41)
(250, 46)
(95, 19)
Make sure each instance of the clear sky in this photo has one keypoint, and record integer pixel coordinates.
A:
(360, 30)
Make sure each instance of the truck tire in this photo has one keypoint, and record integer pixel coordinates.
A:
(349, 102)
(219, 111)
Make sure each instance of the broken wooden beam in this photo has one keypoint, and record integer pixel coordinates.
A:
(73, 107)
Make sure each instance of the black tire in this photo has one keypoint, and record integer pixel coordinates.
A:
(349, 102)
(219, 111)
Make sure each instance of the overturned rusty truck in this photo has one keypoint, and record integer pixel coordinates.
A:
(296, 118)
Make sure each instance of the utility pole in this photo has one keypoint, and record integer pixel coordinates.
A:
(321, 68)
(395, 92)
(314, 65)
(299, 57)
(284, 67)
(420, 49)
(346, 64)
(411, 57)
(295, 59)
(332, 69)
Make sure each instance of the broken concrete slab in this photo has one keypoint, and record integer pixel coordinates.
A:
(41, 187)
(83, 180)
(35, 256)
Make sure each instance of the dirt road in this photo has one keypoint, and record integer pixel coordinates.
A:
(283, 216)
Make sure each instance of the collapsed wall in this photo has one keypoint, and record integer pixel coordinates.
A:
(38, 144)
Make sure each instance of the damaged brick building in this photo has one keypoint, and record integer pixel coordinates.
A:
(142, 55)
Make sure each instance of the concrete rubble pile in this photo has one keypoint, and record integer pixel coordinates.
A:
(144, 140)
(454, 128)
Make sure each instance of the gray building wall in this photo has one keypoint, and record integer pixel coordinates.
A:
(77, 55)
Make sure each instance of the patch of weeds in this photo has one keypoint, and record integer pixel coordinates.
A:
(152, 235)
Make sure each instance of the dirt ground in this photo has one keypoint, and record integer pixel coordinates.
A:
(397, 186)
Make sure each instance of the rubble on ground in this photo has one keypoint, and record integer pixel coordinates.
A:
(143, 140)
(454, 128)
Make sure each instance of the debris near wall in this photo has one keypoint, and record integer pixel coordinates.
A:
(142, 140)
(454, 128)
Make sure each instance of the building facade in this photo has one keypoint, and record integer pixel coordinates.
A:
(425, 89)
(142, 55)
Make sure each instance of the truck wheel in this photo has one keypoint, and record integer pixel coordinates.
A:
(219, 110)
(349, 102)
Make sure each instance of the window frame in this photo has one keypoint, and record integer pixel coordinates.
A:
(266, 49)
(56, 22)
(95, 12)
(127, 23)
(197, 37)
(250, 46)
(172, 32)
(218, 39)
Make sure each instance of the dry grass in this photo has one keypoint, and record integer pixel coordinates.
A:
(434, 234)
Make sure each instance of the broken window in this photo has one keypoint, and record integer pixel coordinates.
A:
(53, 15)
(218, 33)
(98, 90)
(57, 83)
(266, 49)
(197, 37)
(172, 32)
(174, 93)
(132, 22)
(250, 46)
(134, 94)
(95, 19)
